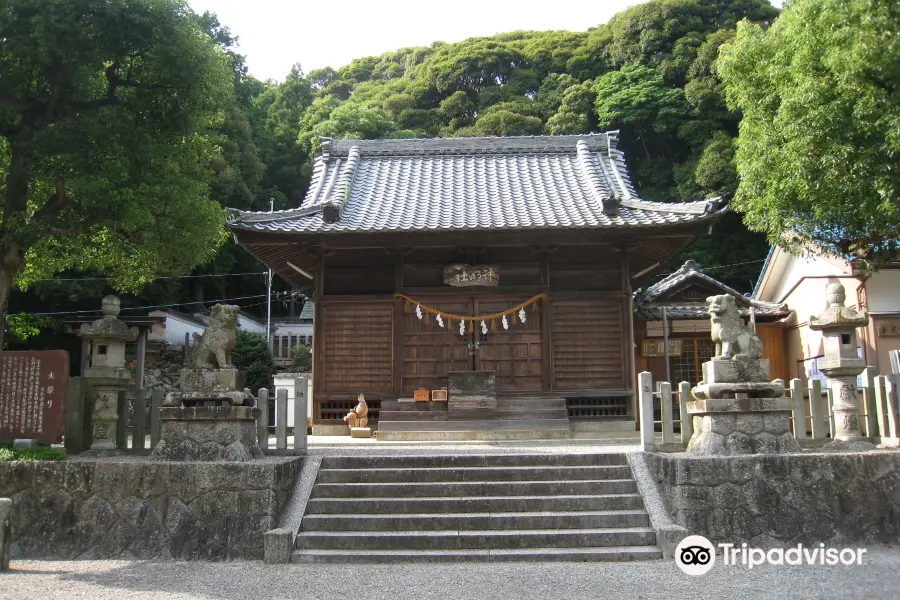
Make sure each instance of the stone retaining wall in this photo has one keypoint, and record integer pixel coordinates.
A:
(140, 508)
(783, 500)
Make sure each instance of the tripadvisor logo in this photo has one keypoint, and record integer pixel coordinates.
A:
(696, 555)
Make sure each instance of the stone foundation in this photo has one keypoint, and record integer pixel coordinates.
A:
(209, 433)
(472, 390)
(783, 500)
(748, 426)
(141, 508)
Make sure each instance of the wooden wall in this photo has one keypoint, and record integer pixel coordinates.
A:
(366, 340)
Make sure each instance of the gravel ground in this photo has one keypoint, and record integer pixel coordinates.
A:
(878, 578)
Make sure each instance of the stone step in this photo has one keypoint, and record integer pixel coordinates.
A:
(515, 402)
(611, 554)
(515, 414)
(435, 474)
(470, 504)
(473, 460)
(475, 539)
(480, 520)
(430, 489)
(484, 435)
(493, 425)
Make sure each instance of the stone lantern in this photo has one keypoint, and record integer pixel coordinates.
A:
(841, 363)
(107, 375)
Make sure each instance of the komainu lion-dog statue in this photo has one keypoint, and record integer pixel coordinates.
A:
(213, 349)
(734, 339)
(359, 416)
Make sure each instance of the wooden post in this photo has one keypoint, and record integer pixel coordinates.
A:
(829, 399)
(300, 414)
(156, 400)
(138, 439)
(122, 423)
(281, 419)
(890, 396)
(85, 354)
(797, 396)
(76, 397)
(645, 406)
(867, 402)
(262, 425)
(141, 359)
(815, 399)
(665, 409)
(881, 406)
(687, 421)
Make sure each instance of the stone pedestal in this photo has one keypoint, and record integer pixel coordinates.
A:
(208, 433)
(201, 385)
(472, 390)
(106, 384)
(361, 432)
(737, 411)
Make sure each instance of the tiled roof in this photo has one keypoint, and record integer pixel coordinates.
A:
(527, 182)
(648, 306)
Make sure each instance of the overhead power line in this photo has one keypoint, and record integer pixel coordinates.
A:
(162, 277)
(97, 310)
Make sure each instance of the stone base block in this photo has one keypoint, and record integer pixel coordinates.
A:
(736, 371)
(848, 446)
(209, 433)
(472, 390)
(232, 397)
(733, 433)
(278, 544)
(361, 432)
(706, 391)
(200, 380)
(728, 405)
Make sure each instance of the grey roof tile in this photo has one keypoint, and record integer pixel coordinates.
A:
(524, 182)
(648, 306)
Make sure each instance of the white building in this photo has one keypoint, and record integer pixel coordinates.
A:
(290, 332)
(176, 325)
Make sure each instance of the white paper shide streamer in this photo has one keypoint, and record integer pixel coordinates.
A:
(505, 323)
(440, 321)
(484, 328)
(522, 314)
(462, 328)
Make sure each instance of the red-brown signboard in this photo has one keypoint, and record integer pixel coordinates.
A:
(32, 389)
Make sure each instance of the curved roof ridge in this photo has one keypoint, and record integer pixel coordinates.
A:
(470, 145)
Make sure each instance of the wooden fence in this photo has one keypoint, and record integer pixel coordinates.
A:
(132, 430)
(665, 411)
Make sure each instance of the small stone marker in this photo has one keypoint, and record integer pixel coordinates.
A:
(360, 432)
(25, 444)
(5, 532)
(32, 388)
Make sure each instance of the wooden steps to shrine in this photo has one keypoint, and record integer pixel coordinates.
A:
(516, 417)
(530, 507)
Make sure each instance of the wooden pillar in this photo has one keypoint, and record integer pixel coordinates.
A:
(141, 359)
(628, 325)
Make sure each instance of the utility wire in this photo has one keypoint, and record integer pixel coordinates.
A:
(161, 277)
(97, 310)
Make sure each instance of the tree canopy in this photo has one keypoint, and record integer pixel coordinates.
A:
(154, 124)
(107, 119)
(819, 141)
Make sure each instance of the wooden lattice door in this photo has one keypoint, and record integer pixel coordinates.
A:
(430, 351)
(514, 353)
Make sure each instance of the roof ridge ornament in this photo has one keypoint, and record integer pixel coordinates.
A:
(609, 203)
(340, 194)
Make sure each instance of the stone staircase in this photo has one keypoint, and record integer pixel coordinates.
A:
(563, 507)
(516, 417)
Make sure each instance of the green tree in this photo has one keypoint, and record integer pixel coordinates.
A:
(253, 356)
(819, 141)
(108, 113)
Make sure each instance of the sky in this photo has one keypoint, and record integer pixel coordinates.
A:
(275, 34)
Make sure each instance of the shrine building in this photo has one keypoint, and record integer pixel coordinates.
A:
(510, 259)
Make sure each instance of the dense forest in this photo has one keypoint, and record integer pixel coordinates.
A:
(649, 72)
